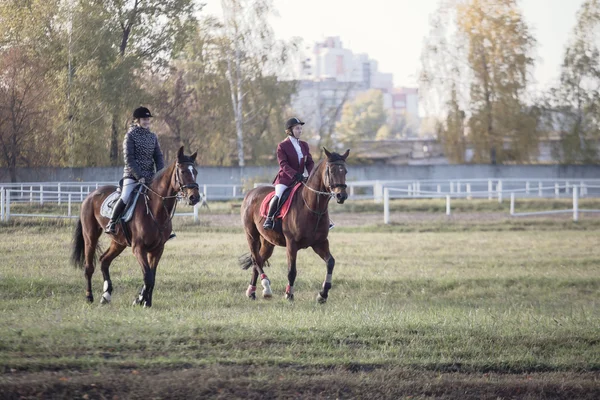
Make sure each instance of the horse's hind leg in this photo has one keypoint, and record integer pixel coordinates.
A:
(322, 249)
(109, 255)
(266, 250)
(90, 237)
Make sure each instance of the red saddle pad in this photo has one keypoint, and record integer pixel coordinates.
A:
(264, 207)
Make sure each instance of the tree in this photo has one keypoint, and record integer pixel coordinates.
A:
(573, 107)
(194, 101)
(361, 118)
(452, 135)
(250, 52)
(486, 62)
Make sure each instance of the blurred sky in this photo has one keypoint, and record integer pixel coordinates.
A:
(392, 31)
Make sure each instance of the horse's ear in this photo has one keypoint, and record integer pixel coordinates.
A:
(346, 154)
(193, 156)
(180, 153)
(327, 153)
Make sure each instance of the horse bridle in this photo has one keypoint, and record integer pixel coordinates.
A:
(178, 180)
(328, 185)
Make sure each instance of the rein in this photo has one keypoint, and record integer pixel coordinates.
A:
(177, 196)
(329, 193)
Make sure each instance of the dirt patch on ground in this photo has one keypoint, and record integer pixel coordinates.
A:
(288, 382)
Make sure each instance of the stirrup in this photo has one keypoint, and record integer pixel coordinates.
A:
(111, 227)
(269, 223)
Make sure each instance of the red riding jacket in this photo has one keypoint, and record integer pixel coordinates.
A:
(288, 161)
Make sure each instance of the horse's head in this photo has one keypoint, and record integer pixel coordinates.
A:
(184, 178)
(334, 175)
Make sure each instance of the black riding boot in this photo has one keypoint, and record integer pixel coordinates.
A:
(117, 211)
(269, 223)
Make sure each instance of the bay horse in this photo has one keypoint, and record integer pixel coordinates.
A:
(305, 225)
(149, 227)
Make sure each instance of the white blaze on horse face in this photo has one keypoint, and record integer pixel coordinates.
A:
(192, 172)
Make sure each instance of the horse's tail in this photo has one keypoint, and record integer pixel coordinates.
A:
(245, 261)
(78, 255)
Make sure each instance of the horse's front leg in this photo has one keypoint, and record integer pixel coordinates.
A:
(145, 293)
(322, 249)
(153, 258)
(109, 255)
(292, 252)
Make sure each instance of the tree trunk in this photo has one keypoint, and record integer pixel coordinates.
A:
(114, 141)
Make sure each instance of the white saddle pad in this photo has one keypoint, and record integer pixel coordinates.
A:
(108, 203)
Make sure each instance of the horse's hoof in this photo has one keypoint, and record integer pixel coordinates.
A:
(105, 299)
(289, 296)
(321, 299)
(90, 299)
(137, 302)
(267, 295)
(252, 296)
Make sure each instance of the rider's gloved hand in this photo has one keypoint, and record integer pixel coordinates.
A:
(142, 180)
(299, 177)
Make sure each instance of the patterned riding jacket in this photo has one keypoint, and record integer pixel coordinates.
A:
(142, 152)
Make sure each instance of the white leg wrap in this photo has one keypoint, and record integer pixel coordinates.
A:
(105, 286)
(105, 298)
(266, 287)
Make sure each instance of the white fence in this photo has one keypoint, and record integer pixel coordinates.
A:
(584, 189)
(67, 193)
(61, 194)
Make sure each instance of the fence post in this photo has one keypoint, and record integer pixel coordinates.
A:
(439, 188)
(1, 204)
(469, 191)
(490, 187)
(499, 190)
(378, 191)
(21, 191)
(205, 189)
(540, 189)
(451, 186)
(234, 191)
(69, 212)
(512, 203)
(386, 205)
(41, 195)
(7, 212)
(81, 193)
(31, 194)
(196, 211)
(556, 191)
(418, 188)
(582, 189)
(58, 190)
(567, 187)
(575, 204)
(351, 190)
(447, 204)
(458, 187)
(527, 187)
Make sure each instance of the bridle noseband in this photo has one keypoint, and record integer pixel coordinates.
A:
(328, 185)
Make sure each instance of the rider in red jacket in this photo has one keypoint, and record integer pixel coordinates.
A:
(293, 156)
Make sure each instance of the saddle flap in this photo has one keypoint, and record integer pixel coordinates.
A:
(108, 204)
(284, 203)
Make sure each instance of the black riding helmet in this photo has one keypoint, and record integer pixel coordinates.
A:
(141, 112)
(292, 122)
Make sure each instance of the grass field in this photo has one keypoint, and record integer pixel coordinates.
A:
(447, 309)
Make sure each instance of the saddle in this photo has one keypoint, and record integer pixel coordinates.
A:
(284, 202)
(108, 203)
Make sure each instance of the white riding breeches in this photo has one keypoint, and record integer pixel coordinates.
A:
(128, 186)
(279, 189)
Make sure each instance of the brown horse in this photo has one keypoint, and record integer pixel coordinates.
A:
(305, 225)
(149, 227)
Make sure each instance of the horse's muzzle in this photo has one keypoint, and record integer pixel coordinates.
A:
(341, 197)
(193, 199)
